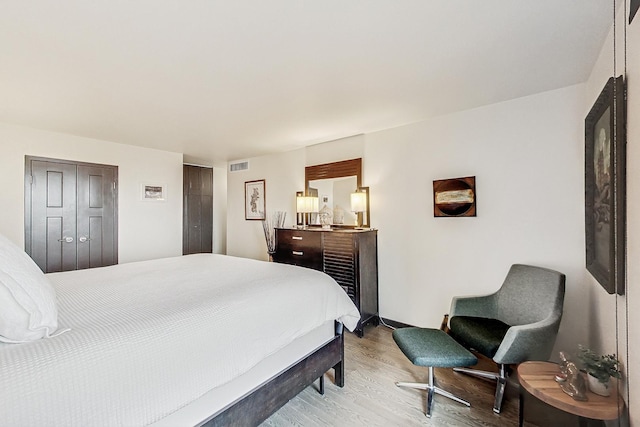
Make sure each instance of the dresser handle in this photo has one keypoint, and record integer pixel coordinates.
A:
(296, 237)
(299, 253)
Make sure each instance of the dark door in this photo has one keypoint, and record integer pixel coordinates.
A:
(96, 216)
(70, 214)
(197, 227)
(53, 216)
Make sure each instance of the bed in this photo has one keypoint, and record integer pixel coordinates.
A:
(193, 340)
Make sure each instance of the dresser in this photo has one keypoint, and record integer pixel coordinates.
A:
(349, 256)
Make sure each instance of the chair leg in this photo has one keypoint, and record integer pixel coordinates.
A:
(500, 377)
(432, 387)
(477, 373)
(500, 387)
(431, 390)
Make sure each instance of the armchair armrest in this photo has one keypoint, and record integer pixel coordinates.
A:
(533, 341)
(476, 306)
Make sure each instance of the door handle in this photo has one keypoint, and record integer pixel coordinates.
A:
(83, 239)
(66, 239)
(299, 253)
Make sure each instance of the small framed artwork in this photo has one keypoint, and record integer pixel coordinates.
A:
(153, 192)
(605, 187)
(634, 5)
(454, 197)
(254, 200)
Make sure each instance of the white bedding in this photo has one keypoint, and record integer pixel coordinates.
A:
(148, 338)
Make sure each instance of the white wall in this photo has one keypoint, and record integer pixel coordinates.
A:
(351, 147)
(283, 175)
(219, 210)
(613, 319)
(526, 155)
(632, 302)
(145, 229)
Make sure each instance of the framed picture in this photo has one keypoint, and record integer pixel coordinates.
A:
(254, 200)
(605, 187)
(153, 192)
(634, 5)
(454, 197)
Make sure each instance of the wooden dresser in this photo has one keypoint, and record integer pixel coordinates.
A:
(349, 256)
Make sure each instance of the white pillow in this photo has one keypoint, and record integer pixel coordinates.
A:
(27, 299)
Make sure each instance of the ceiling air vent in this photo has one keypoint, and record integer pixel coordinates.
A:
(239, 166)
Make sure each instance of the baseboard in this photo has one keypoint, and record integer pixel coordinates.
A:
(395, 324)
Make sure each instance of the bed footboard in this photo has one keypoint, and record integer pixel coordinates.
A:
(258, 405)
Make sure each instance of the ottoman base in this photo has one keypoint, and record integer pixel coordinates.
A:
(431, 389)
(432, 348)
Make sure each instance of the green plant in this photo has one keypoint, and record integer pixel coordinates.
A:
(600, 367)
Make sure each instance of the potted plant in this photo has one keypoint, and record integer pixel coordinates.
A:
(600, 369)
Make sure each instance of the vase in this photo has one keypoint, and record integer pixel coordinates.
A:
(595, 386)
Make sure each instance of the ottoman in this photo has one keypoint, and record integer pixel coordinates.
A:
(434, 349)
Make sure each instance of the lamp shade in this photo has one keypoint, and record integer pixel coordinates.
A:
(358, 202)
(306, 204)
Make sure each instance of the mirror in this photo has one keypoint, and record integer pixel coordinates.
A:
(334, 200)
(333, 184)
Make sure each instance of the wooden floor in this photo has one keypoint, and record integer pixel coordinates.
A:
(371, 398)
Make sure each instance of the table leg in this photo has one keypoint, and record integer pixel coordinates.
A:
(521, 409)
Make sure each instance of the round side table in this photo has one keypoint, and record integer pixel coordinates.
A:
(538, 378)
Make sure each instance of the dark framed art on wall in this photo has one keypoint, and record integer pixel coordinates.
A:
(454, 197)
(634, 5)
(605, 187)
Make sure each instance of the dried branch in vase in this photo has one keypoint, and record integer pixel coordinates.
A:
(269, 224)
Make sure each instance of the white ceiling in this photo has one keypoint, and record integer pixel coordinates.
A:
(224, 80)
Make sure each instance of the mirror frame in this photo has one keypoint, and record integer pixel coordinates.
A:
(340, 169)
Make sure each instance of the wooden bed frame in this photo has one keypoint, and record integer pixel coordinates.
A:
(259, 404)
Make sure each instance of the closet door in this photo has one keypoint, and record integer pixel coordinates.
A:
(51, 241)
(197, 218)
(96, 220)
(70, 214)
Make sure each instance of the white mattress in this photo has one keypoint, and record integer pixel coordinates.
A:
(152, 337)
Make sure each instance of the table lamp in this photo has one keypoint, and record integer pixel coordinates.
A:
(306, 205)
(359, 204)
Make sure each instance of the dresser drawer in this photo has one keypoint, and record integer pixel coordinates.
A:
(299, 247)
(299, 240)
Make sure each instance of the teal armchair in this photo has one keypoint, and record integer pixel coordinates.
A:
(517, 323)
